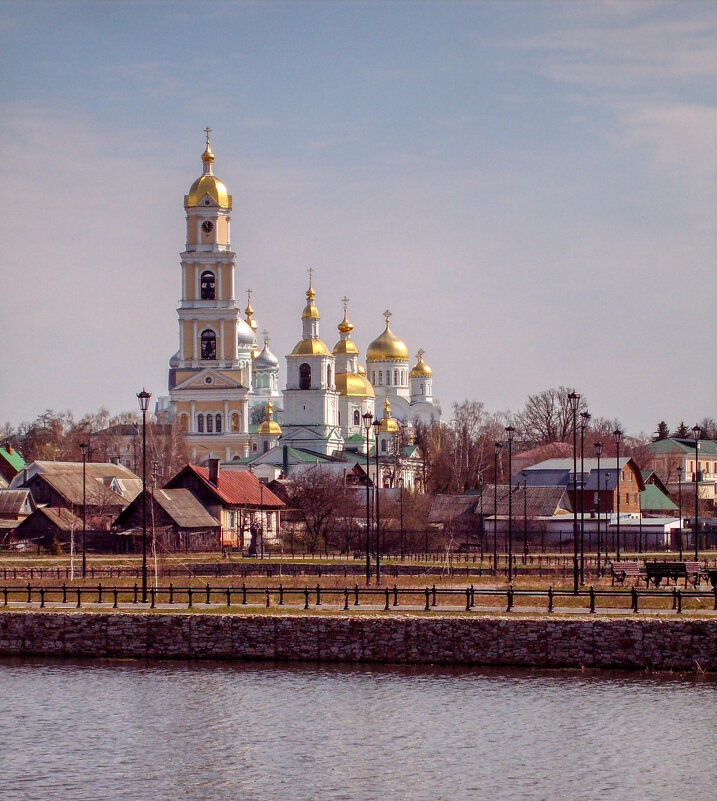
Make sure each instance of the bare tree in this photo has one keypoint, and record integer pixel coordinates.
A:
(547, 417)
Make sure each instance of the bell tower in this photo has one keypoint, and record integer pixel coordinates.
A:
(210, 375)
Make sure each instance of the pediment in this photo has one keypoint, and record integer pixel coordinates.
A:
(209, 378)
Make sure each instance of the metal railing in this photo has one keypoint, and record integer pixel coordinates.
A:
(346, 598)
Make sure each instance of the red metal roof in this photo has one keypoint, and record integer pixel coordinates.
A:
(239, 488)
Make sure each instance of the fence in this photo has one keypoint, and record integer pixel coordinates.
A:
(348, 597)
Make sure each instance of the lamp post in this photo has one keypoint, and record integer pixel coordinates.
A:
(496, 453)
(679, 490)
(367, 418)
(525, 517)
(696, 432)
(376, 432)
(83, 447)
(617, 435)
(607, 520)
(584, 421)
(482, 523)
(400, 498)
(143, 398)
(509, 433)
(598, 451)
(574, 399)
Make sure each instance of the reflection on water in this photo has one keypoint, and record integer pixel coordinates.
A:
(180, 730)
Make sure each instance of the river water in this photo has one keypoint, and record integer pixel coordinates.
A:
(181, 730)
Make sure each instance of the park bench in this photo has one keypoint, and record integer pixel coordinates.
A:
(624, 570)
(712, 576)
(690, 571)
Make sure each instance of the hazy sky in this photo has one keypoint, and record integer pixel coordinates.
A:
(531, 188)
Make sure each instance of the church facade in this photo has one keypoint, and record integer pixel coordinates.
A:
(224, 388)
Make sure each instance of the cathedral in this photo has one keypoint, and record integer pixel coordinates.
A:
(224, 382)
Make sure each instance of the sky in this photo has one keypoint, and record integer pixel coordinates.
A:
(530, 188)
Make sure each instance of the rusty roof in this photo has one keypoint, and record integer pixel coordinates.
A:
(239, 488)
(183, 508)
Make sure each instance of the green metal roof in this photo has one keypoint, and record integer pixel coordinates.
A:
(686, 446)
(654, 500)
(13, 459)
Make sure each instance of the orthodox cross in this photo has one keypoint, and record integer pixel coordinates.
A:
(419, 355)
(345, 301)
(208, 130)
(248, 297)
(265, 334)
(387, 315)
(311, 274)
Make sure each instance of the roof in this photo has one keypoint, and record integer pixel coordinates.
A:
(12, 501)
(70, 486)
(549, 450)
(183, 508)
(679, 445)
(62, 518)
(13, 458)
(447, 508)
(92, 469)
(238, 488)
(541, 501)
(654, 500)
(589, 464)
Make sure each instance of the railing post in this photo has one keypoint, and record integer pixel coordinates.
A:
(428, 600)
(318, 595)
(433, 603)
(674, 597)
(510, 598)
(473, 596)
(42, 597)
(550, 598)
(99, 592)
(189, 597)
(281, 595)
(114, 605)
(171, 593)
(592, 598)
(356, 595)
(679, 602)
(714, 591)
(208, 591)
(64, 594)
(135, 592)
(4, 590)
(152, 591)
(29, 592)
(79, 601)
(267, 597)
(229, 597)
(395, 595)
(243, 593)
(468, 599)
(634, 599)
(306, 597)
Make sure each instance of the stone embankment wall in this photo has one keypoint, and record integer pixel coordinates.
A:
(634, 642)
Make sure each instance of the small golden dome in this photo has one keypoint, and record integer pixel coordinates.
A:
(388, 424)
(354, 386)
(310, 347)
(345, 346)
(345, 326)
(420, 368)
(269, 426)
(208, 155)
(361, 370)
(208, 185)
(387, 347)
(310, 312)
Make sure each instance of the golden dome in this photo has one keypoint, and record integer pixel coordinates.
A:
(361, 370)
(208, 155)
(387, 347)
(354, 386)
(208, 185)
(388, 424)
(345, 326)
(269, 426)
(310, 311)
(310, 347)
(420, 368)
(345, 346)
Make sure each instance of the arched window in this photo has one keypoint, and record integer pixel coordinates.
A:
(218, 424)
(380, 377)
(388, 378)
(357, 418)
(421, 389)
(235, 422)
(183, 423)
(266, 446)
(207, 286)
(305, 376)
(209, 344)
(200, 423)
(328, 377)
(373, 377)
(395, 376)
(383, 446)
(210, 424)
(253, 447)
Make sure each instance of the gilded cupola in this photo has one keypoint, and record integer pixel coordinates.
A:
(208, 185)
(420, 369)
(388, 424)
(387, 347)
(269, 426)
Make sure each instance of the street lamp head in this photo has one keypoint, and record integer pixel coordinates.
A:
(143, 398)
(509, 433)
(83, 447)
(367, 418)
(679, 471)
(574, 399)
(585, 419)
(376, 427)
(598, 448)
(617, 436)
(480, 483)
(498, 447)
(696, 432)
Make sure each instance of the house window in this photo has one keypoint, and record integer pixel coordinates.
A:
(200, 423)
(207, 286)
(210, 424)
(235, 422)
(305, 376)
(209, 345)
(357, 418)
(183, 423)
(218, 424)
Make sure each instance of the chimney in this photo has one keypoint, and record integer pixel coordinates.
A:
(214, 471)
(114, 459)
(285, 461)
